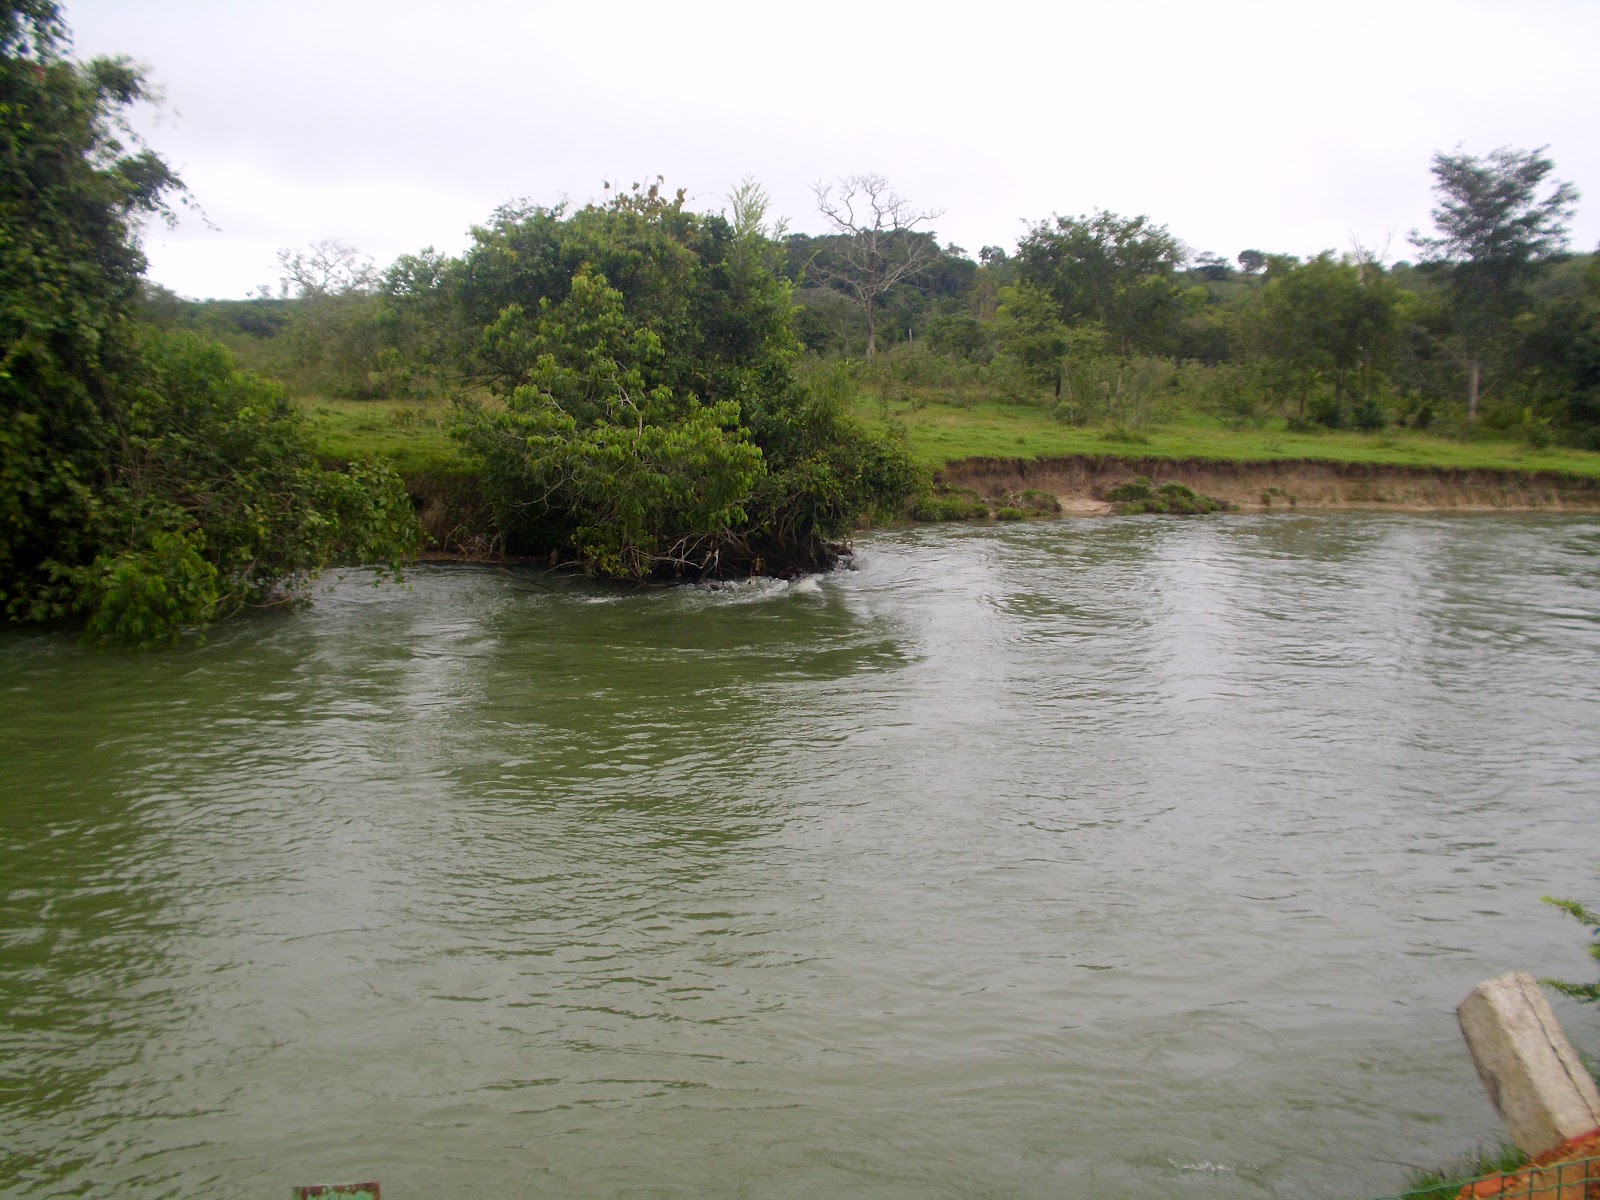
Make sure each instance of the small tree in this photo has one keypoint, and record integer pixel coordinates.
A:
(649, 420)
(879, 246)
(1494, 230)
(334, 340)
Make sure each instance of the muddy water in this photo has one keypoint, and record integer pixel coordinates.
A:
(1129, 858)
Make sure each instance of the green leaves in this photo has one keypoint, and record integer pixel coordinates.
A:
(203, 444)
(1587, 993)
(1327, 323)
(631, 477)
(143, 598)
(650, 421)
(1113, 270)
(145, 482)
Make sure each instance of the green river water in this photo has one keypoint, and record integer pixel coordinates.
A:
(1135, 858)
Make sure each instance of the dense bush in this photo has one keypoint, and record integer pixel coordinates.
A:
(146, 483)
(1139, 495)
(649, 419)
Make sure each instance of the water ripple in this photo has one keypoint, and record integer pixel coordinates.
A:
(1136, 856)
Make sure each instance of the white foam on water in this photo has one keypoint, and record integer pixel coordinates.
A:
(755, 590)
(1208, 1167)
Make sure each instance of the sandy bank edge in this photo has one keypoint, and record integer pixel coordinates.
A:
(1080, 481)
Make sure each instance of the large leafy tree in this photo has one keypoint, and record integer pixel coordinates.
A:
(1327, 323)
(69, 188)
(144, 482)
(1496, 224)
(1114, 271)
(649, 420)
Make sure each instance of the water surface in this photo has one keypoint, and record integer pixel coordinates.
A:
(1127, 858)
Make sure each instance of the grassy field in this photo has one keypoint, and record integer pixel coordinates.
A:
(415, 438)
(942, 433)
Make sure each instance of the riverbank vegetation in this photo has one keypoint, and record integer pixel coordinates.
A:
(147, 484)
(1095, 334)
(1445, 1182)
(637, 389)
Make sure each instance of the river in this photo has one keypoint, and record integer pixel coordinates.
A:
(1136, 857)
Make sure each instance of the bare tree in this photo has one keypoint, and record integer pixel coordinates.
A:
(327, 268)
(879, 244)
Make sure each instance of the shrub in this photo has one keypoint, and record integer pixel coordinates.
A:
(652, 420)
(1141, 496)
(1038, 503)
(1136, 490)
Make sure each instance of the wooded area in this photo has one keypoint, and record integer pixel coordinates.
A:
(643, 390)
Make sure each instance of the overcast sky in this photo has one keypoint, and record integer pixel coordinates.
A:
(1287, 127)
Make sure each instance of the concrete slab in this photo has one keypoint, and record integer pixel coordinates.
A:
(1531, 1072)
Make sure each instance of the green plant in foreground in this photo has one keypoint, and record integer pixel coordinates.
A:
(1444, 1183)
(146, 483)
(1586, 993)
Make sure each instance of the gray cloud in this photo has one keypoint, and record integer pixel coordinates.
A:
(1287, 127)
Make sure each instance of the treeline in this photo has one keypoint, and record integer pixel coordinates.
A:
(644, 390)
(1100, 318)
(624, 374)
(1108, 318)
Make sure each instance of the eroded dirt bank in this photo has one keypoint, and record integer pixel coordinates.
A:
(1080, 482)
(456, 517)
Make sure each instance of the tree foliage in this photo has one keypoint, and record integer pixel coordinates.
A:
(69, 186)
(145, 482)
(1111, 270)
(1494, 228)
(1327, 322)
(650, 421)
(1096, 317)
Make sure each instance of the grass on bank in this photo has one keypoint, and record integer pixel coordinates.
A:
(414, 436)
(942, 433)
(1446, 1182)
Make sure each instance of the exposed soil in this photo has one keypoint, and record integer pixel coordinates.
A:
(1080, 482)
(456, 518)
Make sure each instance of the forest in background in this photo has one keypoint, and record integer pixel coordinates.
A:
(1098, 319)
(637, 390)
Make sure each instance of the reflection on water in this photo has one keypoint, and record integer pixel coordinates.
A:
(1131, 857)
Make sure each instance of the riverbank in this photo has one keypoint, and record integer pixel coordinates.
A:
(965, 449)
(458, 523)
(1080, 483)
(943, 433)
